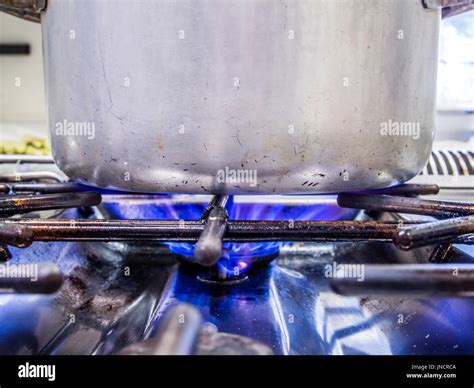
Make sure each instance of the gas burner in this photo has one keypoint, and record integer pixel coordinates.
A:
(183, 208)
(248, 265)
(244, 254)
(216, 278)
(215, 235)
(231, 269)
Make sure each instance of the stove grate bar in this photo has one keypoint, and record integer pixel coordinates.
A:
(213, 227)
(19, 204)
(437, 232)
(437, 209)
(208, 249)
(413, 280)
(190, 231)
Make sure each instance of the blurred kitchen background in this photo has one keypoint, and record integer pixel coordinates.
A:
(23, 119)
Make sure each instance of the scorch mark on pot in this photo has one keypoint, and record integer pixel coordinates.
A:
(105, 76)
(237, 138)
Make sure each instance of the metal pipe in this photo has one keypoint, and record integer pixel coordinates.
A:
(189, 231)
(43, 188)
(216, 200)
(176, 335)
(33, 159)
(30, 176)
(442, 209)
(15, 235)
(19, 204)
(42, 278)
(208, 249)
(433, 232)
(406, 189)
(404, 279)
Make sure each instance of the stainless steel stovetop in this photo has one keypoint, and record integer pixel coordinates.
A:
(324, 297)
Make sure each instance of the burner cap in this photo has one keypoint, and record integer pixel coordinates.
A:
(216, 281)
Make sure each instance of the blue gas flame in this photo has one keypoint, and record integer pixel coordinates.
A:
(237, 256)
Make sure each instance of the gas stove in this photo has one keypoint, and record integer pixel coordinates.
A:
(85, 271)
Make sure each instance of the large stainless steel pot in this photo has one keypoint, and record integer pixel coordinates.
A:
(240, 96)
